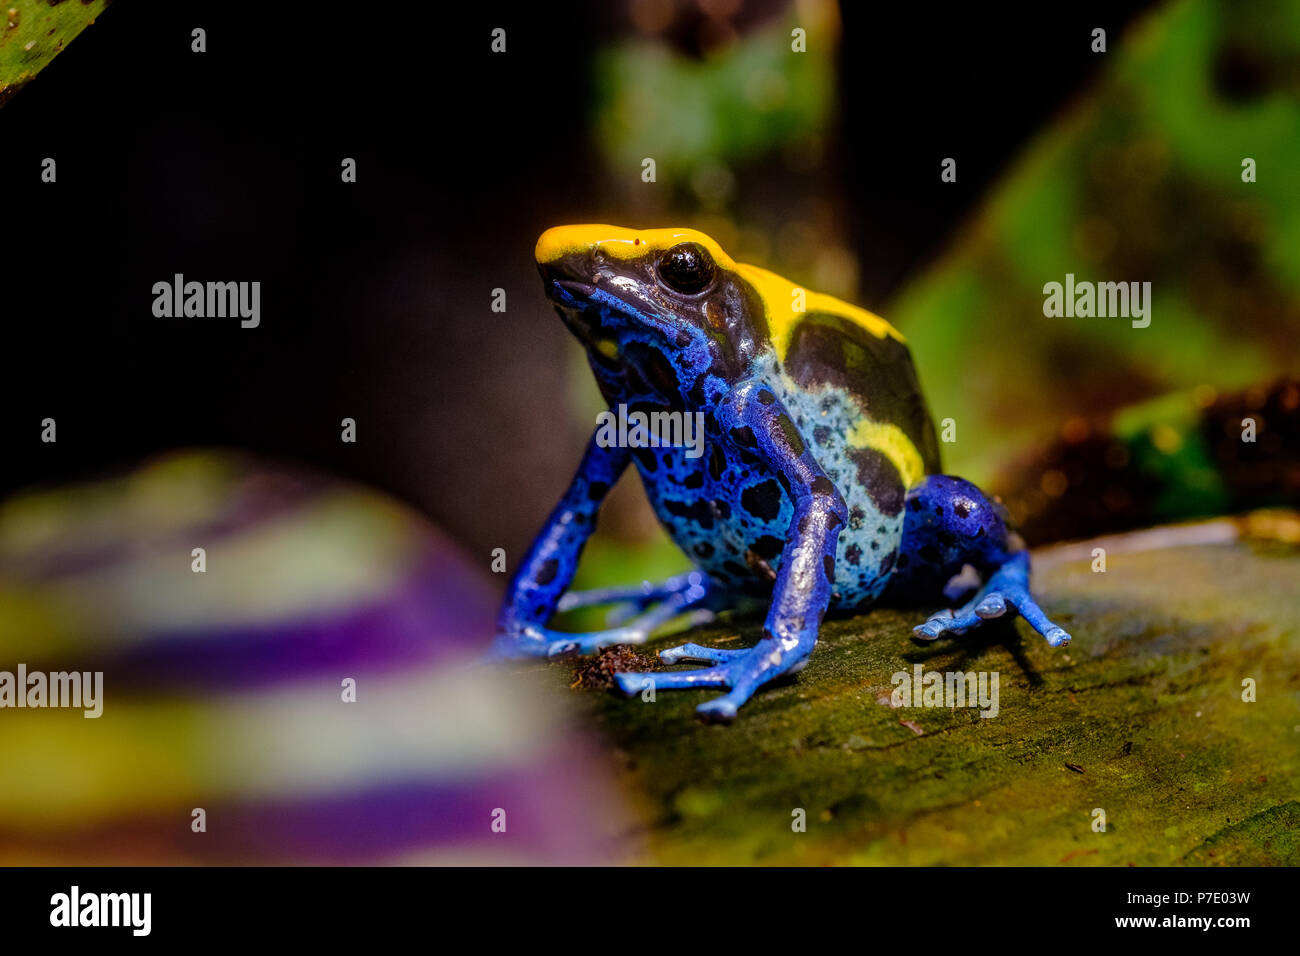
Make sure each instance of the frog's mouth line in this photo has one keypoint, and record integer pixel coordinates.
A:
(576, 293)
(588, 306)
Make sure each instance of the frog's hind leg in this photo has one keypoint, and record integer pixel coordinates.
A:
(949, 524)
(1007, 590)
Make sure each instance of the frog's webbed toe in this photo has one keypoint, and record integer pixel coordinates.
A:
(1007, 590)
(741, 671)
(698, 652)
(635, 597)
(636, 631)
(686, 594)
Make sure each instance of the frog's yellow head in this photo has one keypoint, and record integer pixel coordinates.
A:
(673, 281)
(675, 289)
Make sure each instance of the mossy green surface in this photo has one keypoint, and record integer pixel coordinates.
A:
(1146, 704)
(34, 32)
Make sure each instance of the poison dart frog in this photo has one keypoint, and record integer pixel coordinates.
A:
(819, 486)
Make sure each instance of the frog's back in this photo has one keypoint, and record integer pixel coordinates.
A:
(839, 353)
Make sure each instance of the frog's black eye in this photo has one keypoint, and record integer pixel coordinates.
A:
(687, 268)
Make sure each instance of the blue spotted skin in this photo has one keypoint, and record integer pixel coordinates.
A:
(814, 422)
(731, 512)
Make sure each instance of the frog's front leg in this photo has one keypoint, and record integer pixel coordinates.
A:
(548, 567)
(949, 524)
(753, 418)
(538, 587)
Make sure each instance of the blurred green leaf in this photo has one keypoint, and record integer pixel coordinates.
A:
(1139, 181)
(733, 105)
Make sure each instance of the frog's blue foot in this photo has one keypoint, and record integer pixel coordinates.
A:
(743, 671)
(628, 601)
(698, 652)
(686, 594)
(1007, 590)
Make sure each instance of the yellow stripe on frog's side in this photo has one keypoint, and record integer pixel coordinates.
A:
(891, 442)
(777, 293)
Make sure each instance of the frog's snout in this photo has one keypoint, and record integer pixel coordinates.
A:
(555, 243)
(571, 295)
(567, 275)
(560, 242)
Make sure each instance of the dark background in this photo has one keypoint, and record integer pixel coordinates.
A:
(225, 166)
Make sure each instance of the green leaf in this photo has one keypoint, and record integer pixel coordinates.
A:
(34, 32)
